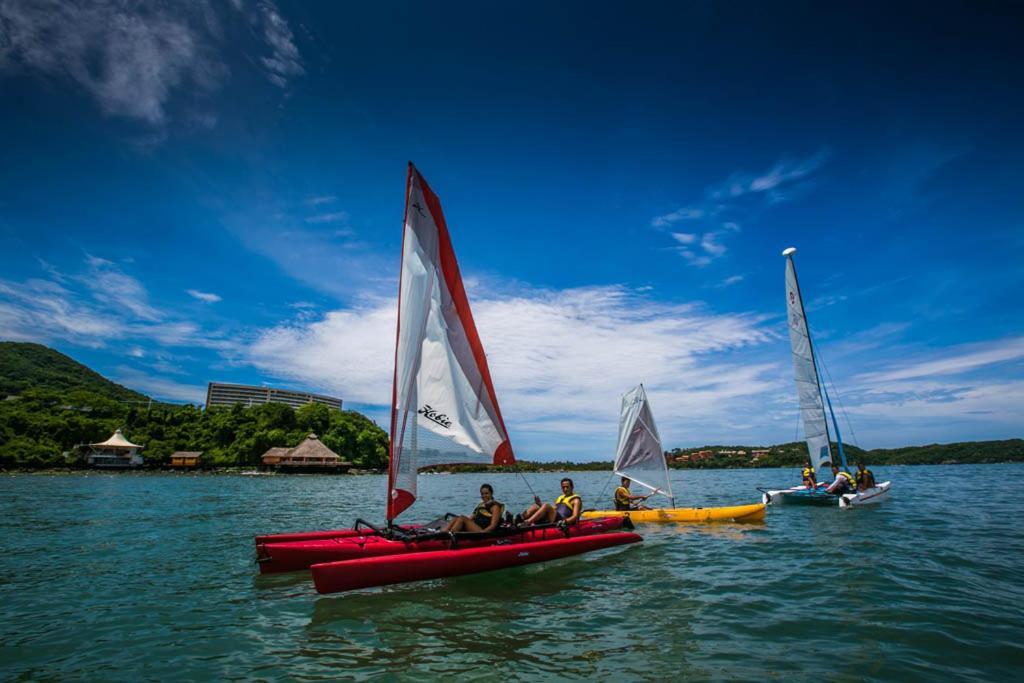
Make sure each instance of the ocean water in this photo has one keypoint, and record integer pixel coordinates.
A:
(151, 577)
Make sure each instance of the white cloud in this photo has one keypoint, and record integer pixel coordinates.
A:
(130, 58)
(784, 172)
(159, 387)
(712, 247)
(285, 61)
(955, 361)
(742, 192)
(100, 305)
(134, 58)
(205, 297)
(335, 217)
(322, 199)
(696, 260)
(560, 359)
(729, 281)
(676, 216)
(113, 286)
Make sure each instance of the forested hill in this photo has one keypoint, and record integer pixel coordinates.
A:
(25, 366)
(50, 405)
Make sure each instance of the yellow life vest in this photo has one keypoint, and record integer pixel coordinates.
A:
(849, 478)
(864, 475)
(567, 500)
(808, 472)
(622, 501)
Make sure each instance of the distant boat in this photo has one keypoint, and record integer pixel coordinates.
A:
(810, 391)
(640, 457)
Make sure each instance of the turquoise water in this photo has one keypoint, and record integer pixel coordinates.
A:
(129, 577)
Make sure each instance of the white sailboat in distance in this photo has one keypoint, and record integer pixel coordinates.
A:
(810, 391)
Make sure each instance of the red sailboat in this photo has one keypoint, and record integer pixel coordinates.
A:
(444, 411)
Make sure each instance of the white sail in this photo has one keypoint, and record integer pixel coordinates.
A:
(806, 374)
(639, 455)
(444, 409)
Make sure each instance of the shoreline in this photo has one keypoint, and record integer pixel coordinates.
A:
(240, 471)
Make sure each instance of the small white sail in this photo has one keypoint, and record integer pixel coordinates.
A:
(806, 374)
(444, 410)
(639, 455)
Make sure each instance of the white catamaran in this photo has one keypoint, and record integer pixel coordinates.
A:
(810, 391)
(639, 456)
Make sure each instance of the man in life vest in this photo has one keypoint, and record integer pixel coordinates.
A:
(566, 508)
(865, 477)
(486, 516)
(809, 478)
(843, 483)
(624, 499)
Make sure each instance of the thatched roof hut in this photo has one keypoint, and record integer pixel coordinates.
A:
(310, 455)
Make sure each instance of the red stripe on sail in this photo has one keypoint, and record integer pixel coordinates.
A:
(453, 279)
(397, 503)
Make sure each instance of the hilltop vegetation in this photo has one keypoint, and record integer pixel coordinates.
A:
(25, 366)
(68, 405)
(794, 454)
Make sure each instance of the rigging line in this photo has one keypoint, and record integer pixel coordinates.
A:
(520, 473)
(606, 481)
(839, 399)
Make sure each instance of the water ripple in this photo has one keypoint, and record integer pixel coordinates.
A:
(129, 577)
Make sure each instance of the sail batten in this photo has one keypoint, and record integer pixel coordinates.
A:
(444, 408)
(805, 373)
(639, 453)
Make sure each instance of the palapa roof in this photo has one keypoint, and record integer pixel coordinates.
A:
(313, 447)
(186, 454)
(117, 440)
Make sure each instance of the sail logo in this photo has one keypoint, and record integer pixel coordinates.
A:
(435, 417)
(792, 297)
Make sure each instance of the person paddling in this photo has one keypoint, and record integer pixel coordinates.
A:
(566, 508)
(624, 499)
(809, 478)
(486, 516)
(865, 477)
(843, 483)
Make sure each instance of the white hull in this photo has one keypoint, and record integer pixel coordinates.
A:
(867, 496)
(870, 496)
(775, 497)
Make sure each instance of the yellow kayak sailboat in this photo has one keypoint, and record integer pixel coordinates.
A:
(640, 458)
(733, 513)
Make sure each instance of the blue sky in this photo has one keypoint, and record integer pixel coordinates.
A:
(214, 191)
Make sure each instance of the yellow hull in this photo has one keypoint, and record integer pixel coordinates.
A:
(734, 513)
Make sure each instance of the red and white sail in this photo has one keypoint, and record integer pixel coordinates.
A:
(444, 409)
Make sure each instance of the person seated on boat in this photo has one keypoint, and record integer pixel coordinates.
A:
(809, 478)
(624, 499)
(843, 483)
(567, 508)
(865, 477)
(486, 517)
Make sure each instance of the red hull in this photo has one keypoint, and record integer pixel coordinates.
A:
(335, 577)
(296, 555)
(307, 536)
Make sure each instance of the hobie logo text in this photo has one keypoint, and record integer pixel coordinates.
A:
(434, 416)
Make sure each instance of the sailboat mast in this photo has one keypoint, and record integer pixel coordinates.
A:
(835, 425)
(788, 253)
